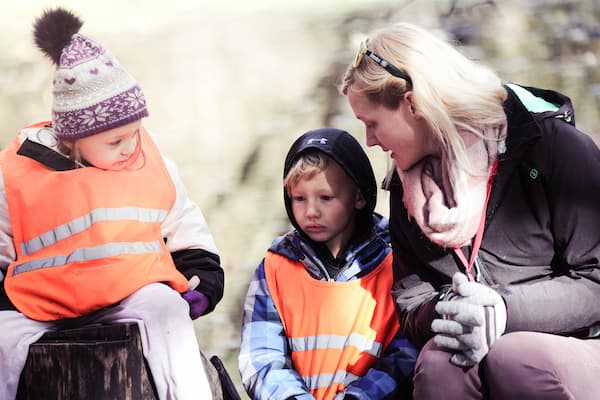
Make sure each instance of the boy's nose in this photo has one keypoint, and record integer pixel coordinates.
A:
(312, 211)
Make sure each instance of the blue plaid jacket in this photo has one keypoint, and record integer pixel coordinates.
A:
(265, 362)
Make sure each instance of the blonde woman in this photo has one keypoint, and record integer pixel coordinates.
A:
(494, 219)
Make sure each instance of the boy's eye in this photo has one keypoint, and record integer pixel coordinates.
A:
(326, 197)
(297, 198)
(115, 143)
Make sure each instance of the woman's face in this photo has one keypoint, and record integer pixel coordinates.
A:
(403, 131)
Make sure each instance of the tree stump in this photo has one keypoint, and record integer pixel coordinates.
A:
(91, 362)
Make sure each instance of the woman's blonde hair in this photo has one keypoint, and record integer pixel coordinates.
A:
(453, 93)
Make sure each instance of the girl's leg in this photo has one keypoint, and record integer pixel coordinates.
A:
(18, 333)
(437, 378)
(543, 366)
(168, 340)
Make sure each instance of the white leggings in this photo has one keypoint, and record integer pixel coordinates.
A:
(168, 341)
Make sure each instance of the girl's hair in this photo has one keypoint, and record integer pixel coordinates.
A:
(74, 155)
(306, 166)
(453, 93)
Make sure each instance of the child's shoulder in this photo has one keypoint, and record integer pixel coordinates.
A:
(287, 245)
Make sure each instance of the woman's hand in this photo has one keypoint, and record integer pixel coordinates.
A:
(474, 316)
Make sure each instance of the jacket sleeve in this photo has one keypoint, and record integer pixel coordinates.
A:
(7, 248)
(390, 376)
(264, 360)
(206, 266)
(568, 301)
(191, 243)
(416, 285)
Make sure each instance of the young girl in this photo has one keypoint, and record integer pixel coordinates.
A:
(96, 225)
(494, 221)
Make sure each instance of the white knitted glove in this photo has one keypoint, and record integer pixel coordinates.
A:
(473, 318)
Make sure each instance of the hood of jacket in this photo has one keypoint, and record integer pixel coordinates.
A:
(361, 258)
(344, 149)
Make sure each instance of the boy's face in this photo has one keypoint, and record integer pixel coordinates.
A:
(324, 206)
(111, 150)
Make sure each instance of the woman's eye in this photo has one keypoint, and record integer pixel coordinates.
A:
(326, 198)
(115, 143)
(298, 198)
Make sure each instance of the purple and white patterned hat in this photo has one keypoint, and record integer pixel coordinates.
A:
(92, 93)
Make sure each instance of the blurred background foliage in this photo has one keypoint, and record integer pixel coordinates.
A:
(230, 85)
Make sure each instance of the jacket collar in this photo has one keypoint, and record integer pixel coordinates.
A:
(46, 156)
(525, 110)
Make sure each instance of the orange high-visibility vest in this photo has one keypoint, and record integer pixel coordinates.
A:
(335, 330)
(86, 238)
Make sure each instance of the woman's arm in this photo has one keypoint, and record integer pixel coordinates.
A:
(566, 300)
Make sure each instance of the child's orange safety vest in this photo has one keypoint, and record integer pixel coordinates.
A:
(335, 330)
(86, 238)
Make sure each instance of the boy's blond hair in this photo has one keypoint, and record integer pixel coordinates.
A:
(308, 165)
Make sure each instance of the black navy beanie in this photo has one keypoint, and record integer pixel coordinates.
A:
(344, 149)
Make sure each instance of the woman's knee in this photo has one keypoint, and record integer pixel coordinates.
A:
(525, 360)
(431, 362)
(518, 350)
(433, 366)
(436, 377)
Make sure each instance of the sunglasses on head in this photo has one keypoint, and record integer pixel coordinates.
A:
(391, 68)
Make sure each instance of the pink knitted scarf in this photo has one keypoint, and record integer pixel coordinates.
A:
(445, 200)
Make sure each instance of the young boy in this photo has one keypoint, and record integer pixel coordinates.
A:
(319, 320)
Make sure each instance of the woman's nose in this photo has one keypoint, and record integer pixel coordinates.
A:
(371, 139)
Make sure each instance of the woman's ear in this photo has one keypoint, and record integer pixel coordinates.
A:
(408, 99)
(359, 201)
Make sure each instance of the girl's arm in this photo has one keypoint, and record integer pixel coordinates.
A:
(7, 248)
(191, 243)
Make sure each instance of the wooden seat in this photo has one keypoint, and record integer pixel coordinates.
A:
(91, 362)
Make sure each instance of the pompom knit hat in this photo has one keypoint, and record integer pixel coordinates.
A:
(92, 93)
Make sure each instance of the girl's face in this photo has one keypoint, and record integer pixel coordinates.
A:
(403, 131)
(111, 150)
(324, 206)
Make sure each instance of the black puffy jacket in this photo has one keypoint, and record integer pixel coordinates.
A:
(541, 244)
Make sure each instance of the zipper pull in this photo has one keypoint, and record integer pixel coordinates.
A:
(477, 267)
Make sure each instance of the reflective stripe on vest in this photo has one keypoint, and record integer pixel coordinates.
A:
(337, 342)
(86, 238)
(318, 383)
(85, 222)
(335, 330)
(89, 254)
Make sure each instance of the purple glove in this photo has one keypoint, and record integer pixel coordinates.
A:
(198, 302)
